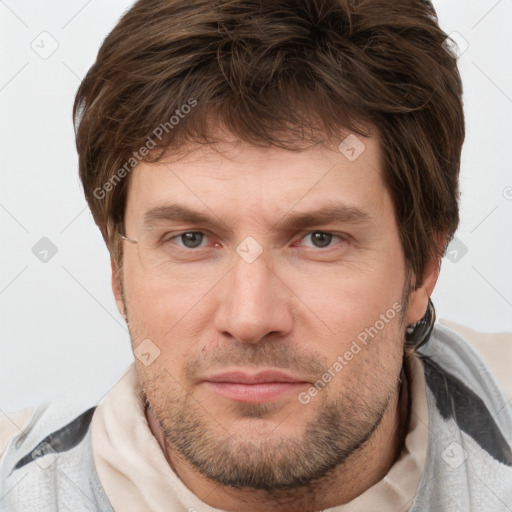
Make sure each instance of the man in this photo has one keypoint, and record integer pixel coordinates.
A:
(277, 183)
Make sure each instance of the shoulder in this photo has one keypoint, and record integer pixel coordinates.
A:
(23, 434)
(13, 424)
(495, 349)
(468, 388)
(29, 467)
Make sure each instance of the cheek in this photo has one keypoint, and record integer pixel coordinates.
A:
(342, 301)
(169, 315)
(357, 323)
(366, 372)
(155, 306)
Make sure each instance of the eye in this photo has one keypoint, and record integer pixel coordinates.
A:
(321, 239)
(188, 239)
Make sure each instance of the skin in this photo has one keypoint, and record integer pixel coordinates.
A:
(297, 307)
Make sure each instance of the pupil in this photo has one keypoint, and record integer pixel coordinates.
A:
(192, 239)
(323, 239)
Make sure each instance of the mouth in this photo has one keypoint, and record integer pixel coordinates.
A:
(259, 387)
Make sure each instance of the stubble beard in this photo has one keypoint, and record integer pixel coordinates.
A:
(267, 462)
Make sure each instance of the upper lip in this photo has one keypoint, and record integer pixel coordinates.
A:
(242, 377)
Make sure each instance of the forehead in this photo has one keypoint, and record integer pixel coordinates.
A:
(237, 179)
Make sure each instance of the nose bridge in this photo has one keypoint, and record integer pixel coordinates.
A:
(252, 281)
(254, 304)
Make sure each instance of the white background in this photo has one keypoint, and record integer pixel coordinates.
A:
(60, 333)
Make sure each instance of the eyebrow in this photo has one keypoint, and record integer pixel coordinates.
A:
(329, 213)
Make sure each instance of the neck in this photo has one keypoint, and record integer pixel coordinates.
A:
(360, 471)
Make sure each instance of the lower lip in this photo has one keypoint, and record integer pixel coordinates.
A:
(262, 392)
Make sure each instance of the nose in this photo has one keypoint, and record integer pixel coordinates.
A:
(255, 302)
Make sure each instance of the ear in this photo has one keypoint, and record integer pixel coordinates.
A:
(116, 289)
(418, 300)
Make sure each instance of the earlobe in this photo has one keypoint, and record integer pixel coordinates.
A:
(417, 308)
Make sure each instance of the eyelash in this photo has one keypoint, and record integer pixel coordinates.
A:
(342, 237)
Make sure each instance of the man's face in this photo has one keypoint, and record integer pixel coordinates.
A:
(317, 301)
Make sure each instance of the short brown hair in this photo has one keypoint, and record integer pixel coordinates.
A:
(284, 73)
